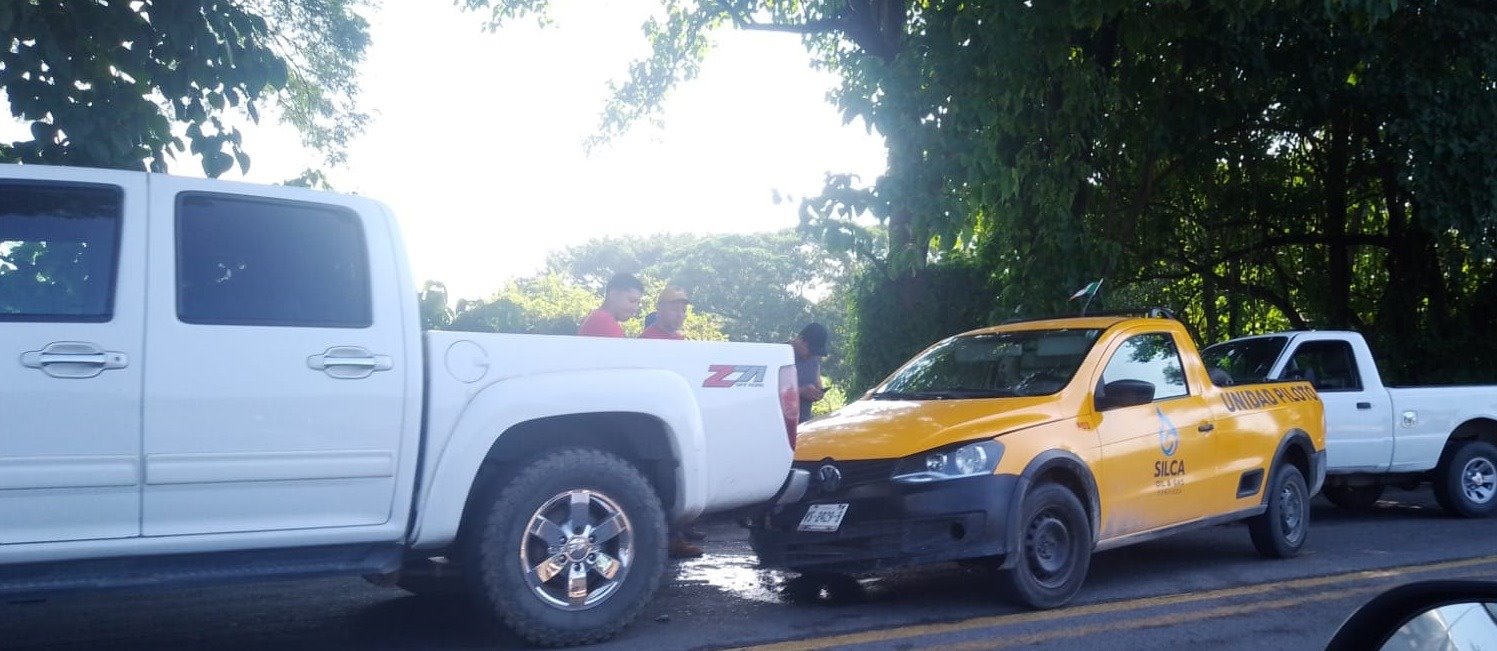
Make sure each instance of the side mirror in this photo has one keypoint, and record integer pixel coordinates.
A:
(1424, 615)
(1123, 393)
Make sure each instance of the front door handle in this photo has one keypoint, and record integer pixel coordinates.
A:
(1364, 405)
(349, 362)
(73, 360)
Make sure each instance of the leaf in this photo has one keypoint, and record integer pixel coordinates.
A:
(143, 78)
(215, 163)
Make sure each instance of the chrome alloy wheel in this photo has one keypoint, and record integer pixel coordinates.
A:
(1479, 480)
(577, 549)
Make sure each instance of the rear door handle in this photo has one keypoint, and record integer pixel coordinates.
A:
(349, 362)
(1205, 427)
(73, 360)
(1364, 405)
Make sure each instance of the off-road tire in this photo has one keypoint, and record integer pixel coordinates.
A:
(1354, 498)
(1451, 478)
(498, 528)
(1054, 550)
(1281, 530)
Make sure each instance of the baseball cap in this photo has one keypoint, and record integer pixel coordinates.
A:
(672, 294)
(816, 336)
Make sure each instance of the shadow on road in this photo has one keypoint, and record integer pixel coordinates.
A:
(449, 622)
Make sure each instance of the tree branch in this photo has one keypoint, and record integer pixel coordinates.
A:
(1253, 291)
(1354, 239)
(810, 27)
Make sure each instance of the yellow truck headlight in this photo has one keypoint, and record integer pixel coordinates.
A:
(967, 460)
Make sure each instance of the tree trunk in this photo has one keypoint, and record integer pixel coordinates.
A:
(1234, 309)
(1338, 258)
(1398, 313)
(1208, 309)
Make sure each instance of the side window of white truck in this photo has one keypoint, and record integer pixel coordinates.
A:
(1328, 365)
(59, 245)
(263, 262)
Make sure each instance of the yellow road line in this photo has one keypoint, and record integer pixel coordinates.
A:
(1112, 607)
(1162, 620)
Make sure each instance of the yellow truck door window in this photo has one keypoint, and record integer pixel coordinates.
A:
(1157, 465)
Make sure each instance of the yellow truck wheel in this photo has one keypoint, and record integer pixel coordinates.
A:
(1280, 531)
(1055, 548)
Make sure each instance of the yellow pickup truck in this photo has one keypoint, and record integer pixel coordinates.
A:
(1031, 445)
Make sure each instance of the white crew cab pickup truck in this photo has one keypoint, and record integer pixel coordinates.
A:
(1378, 435)
(204, 381)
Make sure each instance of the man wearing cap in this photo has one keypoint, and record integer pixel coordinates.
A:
(670, 315)
(810, 347)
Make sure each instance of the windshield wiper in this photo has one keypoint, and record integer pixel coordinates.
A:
(980, 393)
(943, 394)
(910, 395)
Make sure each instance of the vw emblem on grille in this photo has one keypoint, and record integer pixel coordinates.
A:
(829, 477)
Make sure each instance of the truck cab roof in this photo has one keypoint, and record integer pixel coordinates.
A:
(1054, 323)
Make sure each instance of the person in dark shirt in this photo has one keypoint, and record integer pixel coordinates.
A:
(620, 303)
(810, 347)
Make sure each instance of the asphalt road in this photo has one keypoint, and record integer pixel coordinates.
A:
(1201, 588)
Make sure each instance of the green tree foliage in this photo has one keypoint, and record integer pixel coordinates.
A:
(54, 246)
(765, 286)
(436, 308)
(1263, 165)
(834, 399)
(41, 275)
(108, 83)
(1323, 168)
(893, 319)
(546, 304)
(761, 287)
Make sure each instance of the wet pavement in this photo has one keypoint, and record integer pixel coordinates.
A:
(1203, 587)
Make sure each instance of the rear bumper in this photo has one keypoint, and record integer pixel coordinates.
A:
(888, 525)
(797, 481)
(794, 488)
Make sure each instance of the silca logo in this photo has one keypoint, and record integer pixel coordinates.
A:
(727, 376)
(1169, 437)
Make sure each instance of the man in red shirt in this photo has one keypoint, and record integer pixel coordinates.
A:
(620, 303)
(670, 315)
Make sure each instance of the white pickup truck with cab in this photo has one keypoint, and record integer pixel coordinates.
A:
(206, 381)
(1376, 435)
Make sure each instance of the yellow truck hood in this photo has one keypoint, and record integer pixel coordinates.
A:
(888, 429)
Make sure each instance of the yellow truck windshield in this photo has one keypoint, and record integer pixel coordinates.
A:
(992, 365)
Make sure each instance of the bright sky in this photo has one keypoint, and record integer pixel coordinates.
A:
(476, 142)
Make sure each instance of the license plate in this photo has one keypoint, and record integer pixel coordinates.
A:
(823, 517)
